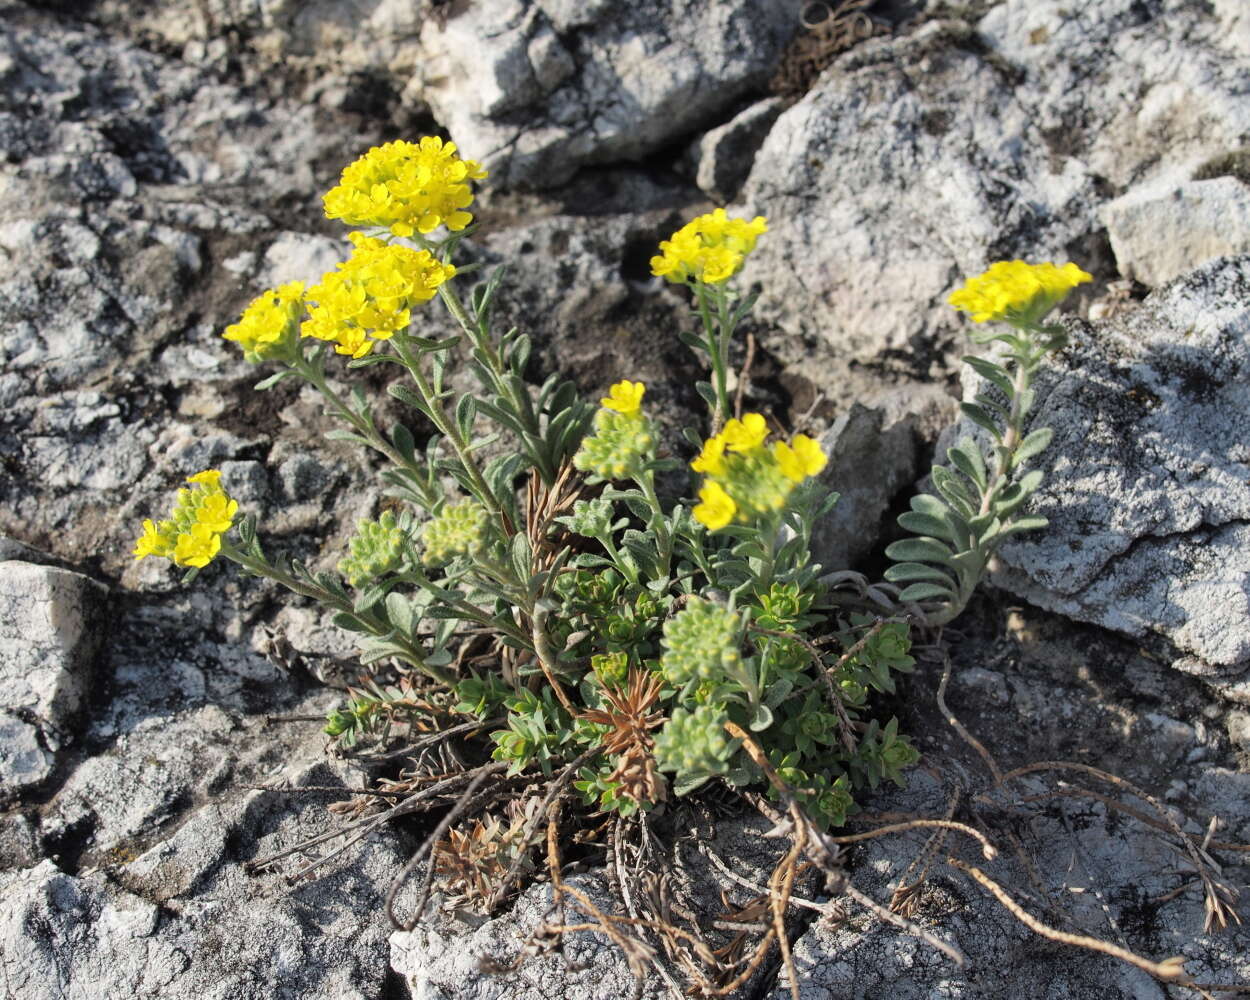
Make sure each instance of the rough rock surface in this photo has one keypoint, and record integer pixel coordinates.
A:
(556, 85)
(1034, 687)
(1147, 487)
(882, 190)
(163, 162)
(1162, 231)
(50, 629)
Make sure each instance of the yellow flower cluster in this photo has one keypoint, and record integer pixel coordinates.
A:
(371, 295)
(406, 187)
(268, 325)
(623, 440)
(192, 534)
(743, 477)
(1017, 292)
(709, 249)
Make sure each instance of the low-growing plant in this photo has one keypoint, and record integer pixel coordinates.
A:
(627, 647)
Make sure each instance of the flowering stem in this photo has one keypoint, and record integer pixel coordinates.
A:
(312, 373)
(717, 332)
(502, 387)
(768, 563)
(375, 625)
(448, 429)
(659, 520)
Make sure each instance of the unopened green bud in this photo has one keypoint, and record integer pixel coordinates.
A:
(377, 548)
(694, 742)
(459, 530)
(701, 641)
(621, 444)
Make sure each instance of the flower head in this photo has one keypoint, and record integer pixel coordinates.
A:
(376, 549)
(743, 478)
(715, 508)
(701, 643)
(268, 326)
(192, 534)
(709, 249)
(406, 187)
(623, 439)
(1019, 293)
(624, 397)
(371, 295)
(459, 529)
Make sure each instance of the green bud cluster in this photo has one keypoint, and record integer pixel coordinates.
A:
(694, 742)
(459, 530)
(376, 548)
(620, 445)
(701, 643)
(591, 518)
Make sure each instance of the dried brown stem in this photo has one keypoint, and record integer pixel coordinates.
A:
(1170, 970)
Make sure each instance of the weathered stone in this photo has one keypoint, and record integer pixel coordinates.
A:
(24, 763)
(1162, 231)
(868, 466)
(1147, 488)
(724, 155)
(50, 629)
(537, 101)
(916, 160)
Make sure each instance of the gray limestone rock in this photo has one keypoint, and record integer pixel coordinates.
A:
(51, 625)
(724, 155)
(24, 762)
(868, 465)
(1147, 488)
(551, 89)
(1162, 231)
(919, 159)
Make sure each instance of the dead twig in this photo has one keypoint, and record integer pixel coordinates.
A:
(1171, 970)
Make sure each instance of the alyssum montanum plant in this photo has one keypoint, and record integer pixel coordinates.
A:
(637, 635)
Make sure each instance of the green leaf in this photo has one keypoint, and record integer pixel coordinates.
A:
(982, 419)
(521, 557)
(408, 397)
(1032, 523)
(270, 381)
(954, 490)
(761, 718)
(966, 457)
(339, 434)
(911, 571)
(401, 613)
(919, 550)
(927, 524)
(705, 390)
(925, 592)
(466, 410)
(1035, 442)
(991, 372)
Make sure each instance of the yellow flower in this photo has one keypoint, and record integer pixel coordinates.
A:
(197, 547)
(267, 327)
(746, 434)
(709, 249)
(406, 187)
(711, 460)
(155, 541)
(624, 397)
(192, 535)
(216, 512)
(799, 459)
(1017, 292)
(716, 507)
(371, 294)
